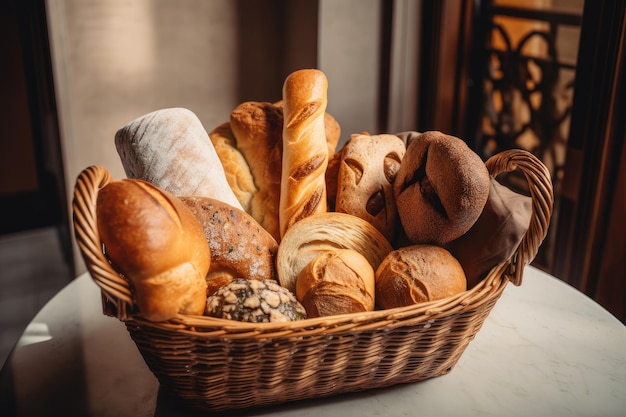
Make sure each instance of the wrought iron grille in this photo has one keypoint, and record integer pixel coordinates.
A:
(526, 96)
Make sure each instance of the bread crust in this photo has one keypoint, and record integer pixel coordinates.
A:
(258, 129)
(325, 232)
(305, 150)
(171, 149)
(416, 274)
(336, 282)
(440, 189)
(153, 239)
(240, 246)
(236, 168)
(369, 164)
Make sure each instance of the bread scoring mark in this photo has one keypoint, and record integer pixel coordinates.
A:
(309, 207)
(427, 189)
(376, 203)
(356, 167)
(391, 166)
(308, 167)
(306, 112)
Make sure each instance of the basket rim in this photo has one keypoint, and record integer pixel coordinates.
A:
(206, 326)
(118, 299)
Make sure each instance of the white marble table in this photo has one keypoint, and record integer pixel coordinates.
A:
(545, 350)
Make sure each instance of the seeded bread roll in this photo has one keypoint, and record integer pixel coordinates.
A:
(440, 189)
(240, 247)
(151, 237)
(305, 151)
(416, 274)
(369, 164)
(254, 301)
(171, 149)
(336, 282)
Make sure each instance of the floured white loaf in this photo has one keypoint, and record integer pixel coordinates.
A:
(171, 149)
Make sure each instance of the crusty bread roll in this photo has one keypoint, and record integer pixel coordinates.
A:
(240, 247)
(369, 164)
(305, 151)
(320, 233)
(235, 166)
(336, 282)
(151, 237)
(171, 149)
(440, 189)
(416, 274)
(258, 129)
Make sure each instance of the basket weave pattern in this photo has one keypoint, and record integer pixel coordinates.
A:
(215, 364)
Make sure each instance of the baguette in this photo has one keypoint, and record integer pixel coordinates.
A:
(305, 150)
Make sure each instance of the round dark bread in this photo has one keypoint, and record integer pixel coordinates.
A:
(440, 189)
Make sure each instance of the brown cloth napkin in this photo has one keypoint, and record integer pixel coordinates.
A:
(495, 235)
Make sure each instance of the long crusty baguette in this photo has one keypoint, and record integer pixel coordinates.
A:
(305, 150)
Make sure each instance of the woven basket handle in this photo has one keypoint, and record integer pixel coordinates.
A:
(115, 288)
(540, 185)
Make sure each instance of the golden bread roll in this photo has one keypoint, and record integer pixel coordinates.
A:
(171, 149)
(151, 237)
(240, 247)
(236, 168)
(305, 151)
(369, 164)
(321, 233)
(416, 274)
(336, 282)
(440, 189)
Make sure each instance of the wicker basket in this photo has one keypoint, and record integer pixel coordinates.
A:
(215, 364)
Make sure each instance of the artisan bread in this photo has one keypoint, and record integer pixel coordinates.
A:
(151, 238)
(236, 168)
(305, 151)
(257, 147)
(321, 233)
(336, 282)
(254, 301)
(171, 149)
(258, 130)
(440, 189)
(240, 247)
(416, 274)
(369, 164)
